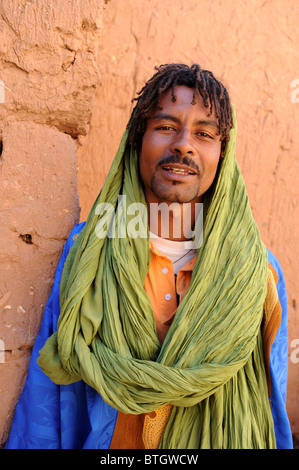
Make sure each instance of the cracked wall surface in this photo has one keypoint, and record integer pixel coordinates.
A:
(253, 47)
(48, 77)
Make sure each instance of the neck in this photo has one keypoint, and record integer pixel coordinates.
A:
(173, 221)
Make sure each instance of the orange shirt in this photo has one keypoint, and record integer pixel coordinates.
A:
(165, 294)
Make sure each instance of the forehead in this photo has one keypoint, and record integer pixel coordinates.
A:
(185, 102)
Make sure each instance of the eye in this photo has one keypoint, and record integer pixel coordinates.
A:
(164, 128)
(205, 135)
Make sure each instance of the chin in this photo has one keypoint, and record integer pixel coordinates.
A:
(175, 191)
(181, 197)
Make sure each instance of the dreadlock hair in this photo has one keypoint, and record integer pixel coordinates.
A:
(168, 76)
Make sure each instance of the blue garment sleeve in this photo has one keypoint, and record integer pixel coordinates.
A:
(49, 416)
(279, 366)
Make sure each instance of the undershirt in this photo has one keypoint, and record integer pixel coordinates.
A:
(179, 252)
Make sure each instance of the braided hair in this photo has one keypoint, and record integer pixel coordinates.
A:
(168, 76)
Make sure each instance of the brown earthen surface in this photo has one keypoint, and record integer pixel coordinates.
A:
(253, 47)
(48, 75)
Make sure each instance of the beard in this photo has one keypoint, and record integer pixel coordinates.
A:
(175, 191)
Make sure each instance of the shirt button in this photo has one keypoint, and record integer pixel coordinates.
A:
(167, 296)
(164, 270)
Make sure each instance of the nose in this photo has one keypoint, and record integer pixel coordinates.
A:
(182, 144)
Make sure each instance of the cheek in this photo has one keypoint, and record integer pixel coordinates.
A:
(142, 168)
(145, 166)
(214, 159)
(213, 169)
(210, 169)
(149, 156)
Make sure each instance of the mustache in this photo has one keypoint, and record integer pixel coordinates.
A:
(181, 160)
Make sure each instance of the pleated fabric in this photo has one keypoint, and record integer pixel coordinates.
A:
(210, 366)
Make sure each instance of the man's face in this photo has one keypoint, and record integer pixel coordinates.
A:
(180, 149)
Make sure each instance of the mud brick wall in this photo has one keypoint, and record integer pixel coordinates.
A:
(48, 74)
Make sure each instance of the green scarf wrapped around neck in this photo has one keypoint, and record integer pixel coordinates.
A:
(210, 366)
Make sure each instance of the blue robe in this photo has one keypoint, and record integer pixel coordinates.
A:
(50, 416)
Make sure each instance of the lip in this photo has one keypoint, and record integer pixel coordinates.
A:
(178, 171)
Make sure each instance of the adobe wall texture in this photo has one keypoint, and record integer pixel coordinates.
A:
(48, 74)
(253, 47)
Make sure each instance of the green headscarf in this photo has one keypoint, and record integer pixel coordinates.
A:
(210, 366)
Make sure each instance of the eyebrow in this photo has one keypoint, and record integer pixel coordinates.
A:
(170, 117)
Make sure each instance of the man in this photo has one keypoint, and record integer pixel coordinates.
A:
(157, 340)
